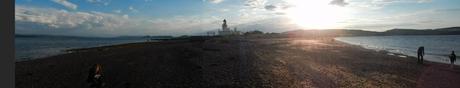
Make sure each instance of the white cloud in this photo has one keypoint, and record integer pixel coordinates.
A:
(265, 7)
(379, 4)
(117, 11)
(100, 2)
(262, 8)
(66, 3)
(224, 10)
(126, 16)
(214, 1)
(255, 3)
(62, 19)
(132, 9)
(92, 1)
(423, 1)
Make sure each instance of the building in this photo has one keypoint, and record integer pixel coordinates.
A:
(225, 31)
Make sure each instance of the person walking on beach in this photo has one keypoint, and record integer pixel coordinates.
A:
(420, 53)
(452, 57)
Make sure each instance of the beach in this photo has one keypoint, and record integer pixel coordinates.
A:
(236, 62)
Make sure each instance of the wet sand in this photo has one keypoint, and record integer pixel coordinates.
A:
(236, 62)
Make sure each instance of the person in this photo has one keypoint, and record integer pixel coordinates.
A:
(452, 57)
(95, 76)
(420, 53)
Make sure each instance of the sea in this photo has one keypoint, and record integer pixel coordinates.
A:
(437, 47)
(30, 48)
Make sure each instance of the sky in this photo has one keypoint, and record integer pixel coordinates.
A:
(106, 18)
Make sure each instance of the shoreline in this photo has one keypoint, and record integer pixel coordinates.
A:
(238, 62)
(69, 50)
(396, 54)
(443, 59)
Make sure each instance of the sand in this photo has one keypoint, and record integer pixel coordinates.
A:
(236, 62)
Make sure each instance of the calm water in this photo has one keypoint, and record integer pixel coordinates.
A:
(437, 48)
(28, 48)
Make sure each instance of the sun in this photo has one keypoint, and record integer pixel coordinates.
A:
(315, 14)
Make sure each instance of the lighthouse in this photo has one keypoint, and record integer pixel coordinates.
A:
(227, 31)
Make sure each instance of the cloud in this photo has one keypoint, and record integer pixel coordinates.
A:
(275, 24)
(277, 8)
(379, 4)
(117, 11)
(62, 19)
(255, 3)
(33, 20)
(93, 1)
(280, 13)
(132, 9)
(270, 7)
(100, 2)
(423, 1)
(223, 10)
(338, 2)
(214, 1)
(66, 3)
(125, 16)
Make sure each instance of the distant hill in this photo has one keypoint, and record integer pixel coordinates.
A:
(439, 31)
(330, 33)
(355, 32)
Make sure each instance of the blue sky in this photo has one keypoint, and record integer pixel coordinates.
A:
(190, 17)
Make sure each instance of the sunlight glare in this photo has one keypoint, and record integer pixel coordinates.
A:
(315, 14)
